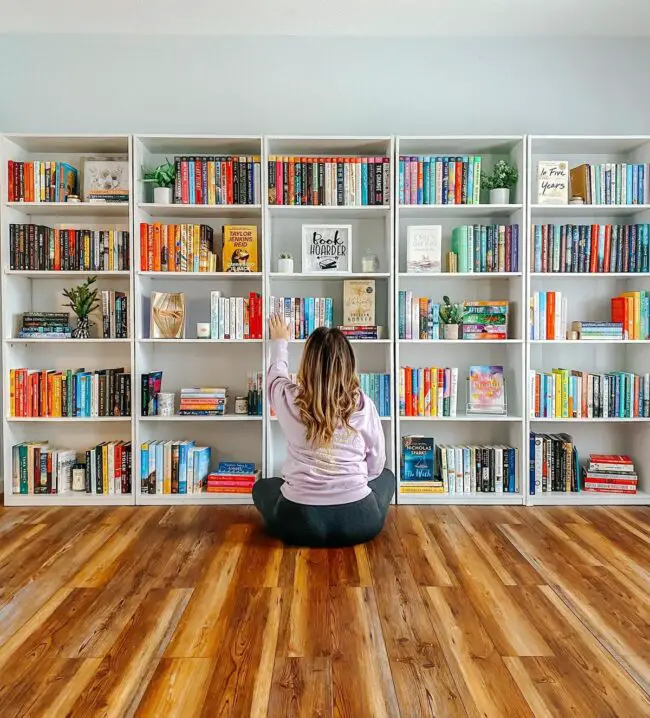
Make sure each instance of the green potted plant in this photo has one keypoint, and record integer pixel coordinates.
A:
(503, 178)
(451, 317)
(83, 301)
(285, 263)
(162, 178)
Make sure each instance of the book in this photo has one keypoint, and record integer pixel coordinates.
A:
(552, 182)
(417, 460)
(359, 302)
(239, 248)
(580, 182)
(423, 248)
(487, 391)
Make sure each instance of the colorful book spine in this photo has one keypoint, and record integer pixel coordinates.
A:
(303, 314)
(219, 180)
(428, 391)
(428, 180)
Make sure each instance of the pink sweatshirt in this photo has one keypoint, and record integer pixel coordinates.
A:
(337, 474)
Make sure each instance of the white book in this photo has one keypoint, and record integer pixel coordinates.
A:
(93, 471)
(557, 319)
(564, 321)
(190, 470)
(590, 397)
(257, 183)
(424, 248)
(347, 184)
(459, 469)
(498, 469)
(467, 469)
(444, 474)
(454, 391)
(328, 183)
(472, 469)
(451, 468)
(111, 468)
(440, 396)
(215, 298)
(166, 478)
(531, 392)
(226, 320)
(536, 315)
(223, 303)
(240, 318)
(415, 320)
(233, 318)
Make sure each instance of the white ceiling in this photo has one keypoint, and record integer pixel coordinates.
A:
(330, 17)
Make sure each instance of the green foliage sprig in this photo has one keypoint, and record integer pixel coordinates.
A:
(504, 176)
(83, 299)
(451, 313)
(162, 176)
(286, 255)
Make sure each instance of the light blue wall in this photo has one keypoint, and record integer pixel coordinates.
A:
(323, 85)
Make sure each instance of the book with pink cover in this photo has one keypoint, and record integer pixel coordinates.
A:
(487, 391)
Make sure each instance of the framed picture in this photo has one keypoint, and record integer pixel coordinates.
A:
(326, 248)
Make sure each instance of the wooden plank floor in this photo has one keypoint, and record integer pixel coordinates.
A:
(190, 611)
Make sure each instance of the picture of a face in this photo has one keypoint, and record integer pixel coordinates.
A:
(240, 256)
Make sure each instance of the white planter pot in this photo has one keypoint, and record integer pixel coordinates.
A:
(499, 196)
(450, 331)
(285, 266)
(162, 195)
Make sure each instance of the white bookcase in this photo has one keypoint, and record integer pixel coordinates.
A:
(466, 429)
(24, 291)
(589, 299)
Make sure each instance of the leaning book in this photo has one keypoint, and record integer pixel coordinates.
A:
(486, 390)
(424, 248)
(417, 458)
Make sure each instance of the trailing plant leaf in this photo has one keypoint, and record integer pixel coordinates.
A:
(162, 176)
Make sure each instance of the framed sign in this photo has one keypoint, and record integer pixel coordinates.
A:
(326, 248)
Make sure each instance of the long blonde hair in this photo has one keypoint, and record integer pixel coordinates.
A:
(328, 386)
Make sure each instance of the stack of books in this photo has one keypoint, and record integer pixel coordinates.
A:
(303, 314)
(418, 317)
(596, 331)
(232, 179)
(40, 181)
(40, 469)
(429, 391)
(255, 394)
(203, 401)
(232, 477)
(554, 464)
(370, 331)
(485, 320)
(478, 469)
(610, 474)
(590, 248)
(424, 179)
(34, 247)
(173, 467)
(548, 320)
(611, 183)
(235, 317)
(115, 315)
(573, 394)
(632, 310)
(329, 181)
(45, 325)
(69, 393)
(491, 248)
(377, 387)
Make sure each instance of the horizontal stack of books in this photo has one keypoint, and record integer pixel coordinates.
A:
(173, 467)
(612, 183)
(426, 179)
(303, 314)
(590, 248)
(429, 391)
(481, 248)
(203, 401)
(370, 331)
(377, 387)
(610, 474)
(34, 247)
(232, 477)
(255, 394)
(597, 331)
(40, 181)
(329, 181)
(632, 310)
(485, 320)
(235, 317)
(548, 316)
(40, 469)
(69, 393)
(573, 394)
(232, 179)
(115, 315)
(554, 464)
(418, 317)
(45, 325)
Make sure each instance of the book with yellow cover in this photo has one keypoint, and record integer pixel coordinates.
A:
(239, 248)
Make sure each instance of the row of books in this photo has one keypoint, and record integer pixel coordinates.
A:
(553, 464)
(590, 248)
(486, 248)
(38, 468)
(303, 314)
(255, 393)
(45, 325)
(425, 179)
(115, 314)
(329, 181)
(235, 317)
(35, 247)
(232, 179)
(231, 477)
(203, 401)
(69, 393)
(191, 248)
(40, 181)
(573, 394)
(597, 331)
(173, 467)
(377, 388)
(428, 391)
(611, 183)
(418, 317)
(548, 316)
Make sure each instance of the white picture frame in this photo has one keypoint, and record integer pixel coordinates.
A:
(336, 245)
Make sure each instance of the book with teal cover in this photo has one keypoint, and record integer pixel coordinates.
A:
(418, 458)
(459, 246)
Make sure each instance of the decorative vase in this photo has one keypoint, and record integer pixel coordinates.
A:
(285, 265)
(369, 262)
(500, 196)
(162, 195)
(81, 331)
(450, 331)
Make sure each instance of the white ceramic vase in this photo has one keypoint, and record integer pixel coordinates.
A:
(499, 196)
(162, 195)
(450, 331)
(285, 265)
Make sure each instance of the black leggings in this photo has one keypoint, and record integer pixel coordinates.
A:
(318, 526)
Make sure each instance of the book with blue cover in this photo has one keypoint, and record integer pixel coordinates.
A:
(418, 458)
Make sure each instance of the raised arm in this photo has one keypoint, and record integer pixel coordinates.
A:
(278, 371)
